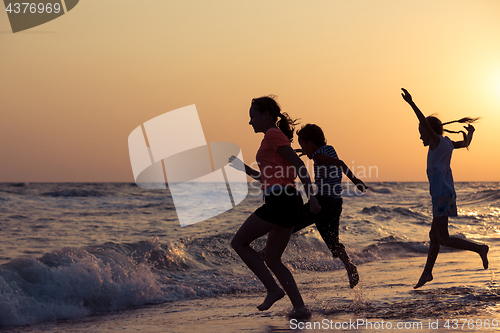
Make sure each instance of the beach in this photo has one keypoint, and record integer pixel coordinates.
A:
(112, 258)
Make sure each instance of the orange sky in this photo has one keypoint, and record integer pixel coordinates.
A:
(73, 89)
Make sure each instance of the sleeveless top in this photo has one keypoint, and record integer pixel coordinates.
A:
(439, 170)
(328, 178)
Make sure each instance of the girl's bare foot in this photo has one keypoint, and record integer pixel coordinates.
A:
(484, 255)
(301, 313)
(426, 277)
(271, 298)
(352, 274)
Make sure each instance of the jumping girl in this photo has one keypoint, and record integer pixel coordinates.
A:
(279, 166)
(442, 187)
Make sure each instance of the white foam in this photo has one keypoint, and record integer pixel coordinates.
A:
(71, 283)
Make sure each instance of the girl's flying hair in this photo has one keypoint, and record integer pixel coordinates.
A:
(466, 120)
(269, 104)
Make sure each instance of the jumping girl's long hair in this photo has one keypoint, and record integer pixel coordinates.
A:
(269, 104)
(437, 125)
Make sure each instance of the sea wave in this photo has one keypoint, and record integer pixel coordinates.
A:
(484, 196)
(381, 190)
(74, 193)
(392, 212)
(19, 184)
(74, 282)
(77, 282)
(385, 250)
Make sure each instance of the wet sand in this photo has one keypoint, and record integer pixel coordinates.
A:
(385, 297)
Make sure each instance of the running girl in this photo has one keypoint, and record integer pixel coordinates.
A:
(279, 166)
(442, 187)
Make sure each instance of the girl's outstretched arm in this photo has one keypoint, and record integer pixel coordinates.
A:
(290, 155)
(325, 159)
(421, 118)
(467, 138)
(239, 165)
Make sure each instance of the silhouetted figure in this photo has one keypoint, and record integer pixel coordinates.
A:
(328, 171)
(279, 166)
(441, 186)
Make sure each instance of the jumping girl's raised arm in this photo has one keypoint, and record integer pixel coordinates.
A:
(325, 159)
(423, 121)
(289, 154)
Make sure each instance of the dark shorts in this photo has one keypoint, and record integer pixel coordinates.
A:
(444, 205)
(327, 221)
(283, 208)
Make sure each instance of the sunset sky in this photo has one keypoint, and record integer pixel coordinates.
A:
(73, 89)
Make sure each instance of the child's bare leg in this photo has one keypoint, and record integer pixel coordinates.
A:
(483, 252)
(463, 244)
(328, 228)
(352, 271)
(271, 298)
(459, 243)
(277, 241)
(424, 278)
(251, 229)
(330, 235)
(431, 259)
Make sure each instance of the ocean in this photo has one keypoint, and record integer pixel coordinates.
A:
(84, 257)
